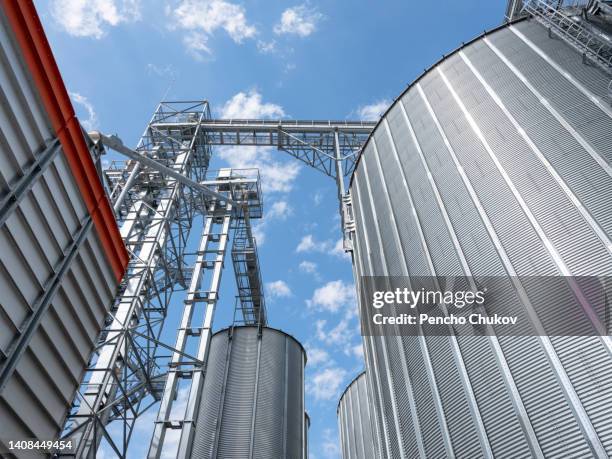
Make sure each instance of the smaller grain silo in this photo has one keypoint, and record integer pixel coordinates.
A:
(252, 403)
(356, 422)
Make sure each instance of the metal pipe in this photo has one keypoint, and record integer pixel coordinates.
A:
(128, 185)
(116, 144)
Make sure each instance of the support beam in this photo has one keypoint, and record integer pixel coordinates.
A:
(116, 144)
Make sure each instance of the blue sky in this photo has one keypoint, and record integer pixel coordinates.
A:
(265, 58)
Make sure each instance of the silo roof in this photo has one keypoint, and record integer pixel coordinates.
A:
(420, 77)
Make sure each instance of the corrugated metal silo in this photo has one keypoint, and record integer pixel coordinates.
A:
(252, 402)
(495, 162)
(358, 437)
(61, 254)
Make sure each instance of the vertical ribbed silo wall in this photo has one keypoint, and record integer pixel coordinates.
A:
(358, 439)
(252, 403)
(496, 162)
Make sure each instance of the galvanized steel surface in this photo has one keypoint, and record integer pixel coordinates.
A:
(252, 403)
(56, 282)
(495, 162)
(358, 439)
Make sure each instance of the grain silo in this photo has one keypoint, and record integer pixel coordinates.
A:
(61, 254)
(252, 402)
(495, 162)
(358, 436)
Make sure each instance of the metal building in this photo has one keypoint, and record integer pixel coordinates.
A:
(61, 254)
(252, 401)
(358, 435)
(496, 161)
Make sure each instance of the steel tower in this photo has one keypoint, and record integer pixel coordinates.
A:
(159, 194)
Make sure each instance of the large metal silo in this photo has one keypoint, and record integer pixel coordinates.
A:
(495, 162)
(252, 402)
(358, 435)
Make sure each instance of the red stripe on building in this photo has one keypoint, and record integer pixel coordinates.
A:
(38, 56)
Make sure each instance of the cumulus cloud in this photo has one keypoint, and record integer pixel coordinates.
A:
(200, 19)
(330, 447)
(317, 356)
(164, 71)
(343, 335)
(357, 350)
(299, 20)
(309, 244)
(250, 105)
(88, 18)
(308, 267)
(277, 175)
(259, 232)
(339, 334)
(279, 210)
(90, 120)
(326, 383)
(374, 111)
(278, 289)
(338, 250)
(333, 296)
(266, 47)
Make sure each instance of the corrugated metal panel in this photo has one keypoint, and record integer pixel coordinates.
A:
(531, 137)
(358, 440)
(253, 397)
(56, 277)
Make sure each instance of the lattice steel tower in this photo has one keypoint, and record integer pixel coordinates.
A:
(159, 195)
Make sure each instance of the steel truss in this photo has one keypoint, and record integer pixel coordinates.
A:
(313, 142)
(558, 19)
(332, 147)
(156, 209)
(155, 214)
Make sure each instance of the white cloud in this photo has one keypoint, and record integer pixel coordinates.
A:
(250, 105)
(266, 47)
(330, 447)
(202, 18)
(164, 71)
(339, 335)
(90, 122)
(279, 210)
(299, 20)
(333, 296)
(357, 350)
(276, 175)
(325, 384)
(339, 250)
(197, 44)
(308, 267)
(317, 198)
(317, 356)
(259, 232)
(278, 289)
(309, 244)
(374, 111)
(88, 18)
